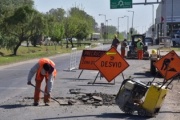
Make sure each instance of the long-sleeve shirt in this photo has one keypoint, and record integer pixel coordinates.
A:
(115, 43)
(50, 80)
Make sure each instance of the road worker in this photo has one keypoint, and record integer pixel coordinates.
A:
(123, 47)
(153, 51)
(139, 47)
(115, 42)
(45, 68)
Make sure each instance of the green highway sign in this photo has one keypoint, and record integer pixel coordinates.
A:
(116, 4)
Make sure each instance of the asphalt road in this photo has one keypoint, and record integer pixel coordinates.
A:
(17, 97)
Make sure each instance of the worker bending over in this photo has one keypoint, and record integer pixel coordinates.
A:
(45, 68)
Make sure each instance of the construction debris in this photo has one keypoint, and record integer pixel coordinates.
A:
(96, 99)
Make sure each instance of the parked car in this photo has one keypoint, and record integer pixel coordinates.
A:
(95, 36)
(73, 39)
(148, 41)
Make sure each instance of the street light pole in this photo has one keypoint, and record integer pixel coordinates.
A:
(118, 22)
(127, 25)
(132, 21)
(107, 27)
(172, 21)
(104, 24)
(153, 21)
(165, 20)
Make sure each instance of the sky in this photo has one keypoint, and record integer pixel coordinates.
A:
(143, 14)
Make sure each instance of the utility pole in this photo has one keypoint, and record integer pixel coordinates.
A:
(104, 25)
(107, 28)
(165, 18)
(152, 21)
(118, 23)
(127, 25)
(172, 20)
(132, 21)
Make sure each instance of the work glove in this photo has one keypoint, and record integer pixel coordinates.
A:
(29, 83)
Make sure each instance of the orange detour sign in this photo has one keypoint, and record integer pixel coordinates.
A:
(111, 64)
(169, 65)
(89, 57)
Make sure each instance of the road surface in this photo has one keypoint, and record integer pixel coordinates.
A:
(17, 97)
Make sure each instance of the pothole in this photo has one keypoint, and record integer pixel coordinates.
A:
(96, 99)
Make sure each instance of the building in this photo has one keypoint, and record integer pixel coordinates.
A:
(167, 20)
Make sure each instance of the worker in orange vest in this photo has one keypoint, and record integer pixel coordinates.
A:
(45, 68)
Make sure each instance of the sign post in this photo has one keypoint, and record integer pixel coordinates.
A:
(89, 57)
(169, 65)
(111, 64)
(118, 4)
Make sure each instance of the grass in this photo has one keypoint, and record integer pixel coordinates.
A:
(26, 53)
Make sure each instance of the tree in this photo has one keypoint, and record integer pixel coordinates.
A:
(70, 27)
(86, 19)
(38, 27)
(82, 31)
(57, 32)
(7, 7)
(57, 13)
(18, 26)
(55, 19)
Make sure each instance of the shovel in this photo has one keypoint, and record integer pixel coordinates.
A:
(45, 93)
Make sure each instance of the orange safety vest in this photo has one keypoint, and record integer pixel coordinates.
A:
(41, 62)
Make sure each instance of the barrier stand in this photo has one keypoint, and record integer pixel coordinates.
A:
(100, 79)
(96, 78)
(105, 83)
(86, 47)
(80, 74)
(73, 60)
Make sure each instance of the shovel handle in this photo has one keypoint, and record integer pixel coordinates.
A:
(39, 89)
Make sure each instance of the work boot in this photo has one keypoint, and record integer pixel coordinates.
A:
(47, 104)
(36, 104)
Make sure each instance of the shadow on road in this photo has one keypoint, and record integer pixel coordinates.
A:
(104, 115)
(144, 74)
(13, 106)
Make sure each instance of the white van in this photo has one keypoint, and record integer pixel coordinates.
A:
(176, 39)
